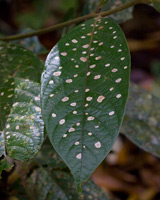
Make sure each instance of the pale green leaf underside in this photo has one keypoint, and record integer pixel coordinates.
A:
(24, 129)
(142, 120)
(156, 4)
(84, 92)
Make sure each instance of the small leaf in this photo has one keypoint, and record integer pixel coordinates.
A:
(46, 185)
(142, 120)
(4, 165)
(24, 129)
(84, 92)
(156, 4)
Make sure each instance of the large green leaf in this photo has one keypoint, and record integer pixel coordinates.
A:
(142, 120)
(15, 61)
(156, 4)
(24, 129)
(46, 185)
(84, 92)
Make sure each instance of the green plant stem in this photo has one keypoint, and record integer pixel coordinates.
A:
(74, 21)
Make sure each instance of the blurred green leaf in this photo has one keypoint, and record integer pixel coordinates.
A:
(142, 120)
(46, 185)
(32, 43)
(156, 4)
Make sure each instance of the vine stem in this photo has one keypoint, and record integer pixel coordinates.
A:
(74, 21)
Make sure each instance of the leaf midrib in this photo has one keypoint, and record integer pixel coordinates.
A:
(84, 96)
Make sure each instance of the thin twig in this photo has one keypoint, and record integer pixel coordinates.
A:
(74, 21)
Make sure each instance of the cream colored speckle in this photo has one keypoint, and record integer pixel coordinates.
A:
(73, 104)
(79, 156)
(65, 135)
(74, 41)
(97, 145)
(88, 73)
(71, 130)
(64, 53)
(65, 99)
(122, 58)
(38, 109)
(101, 43)
(89, 98)
(100, 98)
(97, 77)
(83, 59)
(85, 46)
(78, 124)
(111, 89)
(17, 127)
(76, 66)
(98, 57)
(90, 118)
(7, 126)
(37, 99)
(69, 81)
(111, 113)
(74, 112)
(118, 80)
(58, 73)
(87, 90)
(92, 66)
(89, 133)
(118, 96)
(53, 115)
(114, 70)
(51, 95)
(51, 82)
(76, 143)
(107, 65)
(62, 121)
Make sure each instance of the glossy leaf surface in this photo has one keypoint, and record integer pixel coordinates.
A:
(84, 92)
(24, 129)
(142, 120)
(156, 4)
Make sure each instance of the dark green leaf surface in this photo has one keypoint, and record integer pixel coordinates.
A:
(142, 120)
(156, 4)
(24, 129)
(84, 92)
(46, 185)
(15, 61)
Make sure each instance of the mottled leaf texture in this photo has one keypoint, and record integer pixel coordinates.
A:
(142, 120)
(84, 92)
(156, 4)
(24, 128)
(15, 61)
(46, 185)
